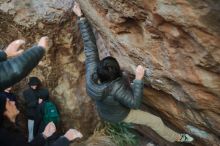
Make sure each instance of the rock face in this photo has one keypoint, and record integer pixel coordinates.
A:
(177, 41)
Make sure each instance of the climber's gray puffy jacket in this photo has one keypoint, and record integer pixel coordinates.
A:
(113, 100)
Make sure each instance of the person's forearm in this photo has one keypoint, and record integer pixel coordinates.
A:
(39, 140)
(130, 97)
(138, 92)
(90, 48)
(92, 59)
(15, 69)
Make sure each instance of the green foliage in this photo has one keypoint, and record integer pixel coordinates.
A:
(122, 134)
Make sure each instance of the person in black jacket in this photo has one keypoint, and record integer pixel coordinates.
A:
(44, 97)
(115, 100)
(15, 64)
(11, 135)
(31, 103)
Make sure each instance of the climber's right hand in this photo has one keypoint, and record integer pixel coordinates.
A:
(139, 72)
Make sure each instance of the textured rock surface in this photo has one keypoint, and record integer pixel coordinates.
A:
(62, 69)
(178, 41)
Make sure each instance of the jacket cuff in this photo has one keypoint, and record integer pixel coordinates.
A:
(138, 81)
(80, 19)
(3, 56)
(62, 141)
(44, 136)
(36, 46)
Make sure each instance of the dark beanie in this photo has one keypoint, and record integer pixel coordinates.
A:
(2, 108)
(34, 81)
(43, 94)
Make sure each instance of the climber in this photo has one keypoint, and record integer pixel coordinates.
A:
(11, 134)
(16, 64)
(115, 100)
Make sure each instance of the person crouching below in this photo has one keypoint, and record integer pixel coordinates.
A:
(46, 111)
(11, 134)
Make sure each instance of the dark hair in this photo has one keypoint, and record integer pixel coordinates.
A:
(4, 120)
(34, 81)
(108, 69)
(43, 94)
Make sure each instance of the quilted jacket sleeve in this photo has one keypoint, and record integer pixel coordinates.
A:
(94, 90)
(129, 97)
(61, 141)
(15, 69)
